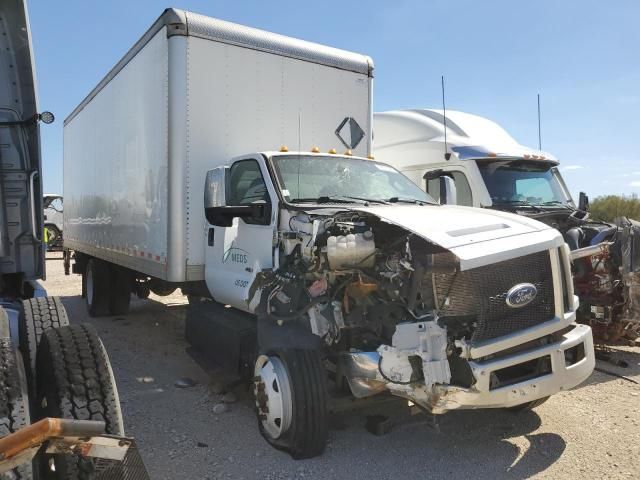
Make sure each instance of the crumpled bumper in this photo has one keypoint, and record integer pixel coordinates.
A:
(497, 382)
(572, 361)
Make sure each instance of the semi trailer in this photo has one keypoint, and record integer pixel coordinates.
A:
(207, 160)
(479, 164)
(60, 416)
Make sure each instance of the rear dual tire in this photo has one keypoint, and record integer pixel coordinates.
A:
(107, 288)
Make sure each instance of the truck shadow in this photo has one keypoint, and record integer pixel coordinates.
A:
(148, 342)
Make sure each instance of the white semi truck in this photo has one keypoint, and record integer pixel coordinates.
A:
(178, 174)
(485, 167)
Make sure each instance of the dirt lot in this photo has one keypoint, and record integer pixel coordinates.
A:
(590, 432)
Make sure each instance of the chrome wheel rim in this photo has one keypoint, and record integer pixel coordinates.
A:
(273, 396)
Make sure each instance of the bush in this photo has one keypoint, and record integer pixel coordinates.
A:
(608, 207)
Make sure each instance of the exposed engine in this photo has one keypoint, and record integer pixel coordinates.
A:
(606, 273)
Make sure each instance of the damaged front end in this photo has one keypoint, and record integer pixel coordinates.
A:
(395, 312)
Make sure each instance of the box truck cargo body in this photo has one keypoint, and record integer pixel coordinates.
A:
(193, 93)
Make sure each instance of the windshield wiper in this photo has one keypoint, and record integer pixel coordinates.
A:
(337, 199)
(406, 200)
(555, 202)
(520, 202)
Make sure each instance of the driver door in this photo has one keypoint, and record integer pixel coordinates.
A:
(235, 254)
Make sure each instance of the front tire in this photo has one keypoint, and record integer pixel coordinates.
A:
(97, 282)
(291, 401)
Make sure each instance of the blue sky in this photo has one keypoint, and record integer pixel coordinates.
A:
(582, 56)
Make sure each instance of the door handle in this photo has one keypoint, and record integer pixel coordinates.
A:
(211, 238)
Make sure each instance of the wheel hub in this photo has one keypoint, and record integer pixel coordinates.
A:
(273, 395)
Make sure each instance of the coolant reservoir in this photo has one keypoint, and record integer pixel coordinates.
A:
(352, 249)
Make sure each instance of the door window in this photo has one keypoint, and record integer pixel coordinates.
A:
(246, 186)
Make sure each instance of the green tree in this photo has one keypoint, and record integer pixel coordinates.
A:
(608, 207)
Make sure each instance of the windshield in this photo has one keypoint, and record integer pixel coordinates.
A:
(319, 178)
(519, 182)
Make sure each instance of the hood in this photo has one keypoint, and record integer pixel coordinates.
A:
(476, 236)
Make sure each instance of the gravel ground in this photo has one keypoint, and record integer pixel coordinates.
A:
(590, 432)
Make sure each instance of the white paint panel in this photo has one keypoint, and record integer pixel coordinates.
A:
(242, 101)
(115, 161)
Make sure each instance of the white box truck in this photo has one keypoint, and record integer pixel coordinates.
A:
(488, 168)
(177, 174)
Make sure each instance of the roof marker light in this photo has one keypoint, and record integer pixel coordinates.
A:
(348, 153)
(333, 151)
(492, 154)
(284, 148)
(315, 150)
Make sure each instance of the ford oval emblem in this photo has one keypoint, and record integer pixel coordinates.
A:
(521, 295)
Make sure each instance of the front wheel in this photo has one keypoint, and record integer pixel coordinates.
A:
(291, 401)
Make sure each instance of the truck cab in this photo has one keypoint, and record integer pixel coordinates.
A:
(345, 257)
(481, 165)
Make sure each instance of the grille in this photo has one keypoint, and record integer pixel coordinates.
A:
(478, 296)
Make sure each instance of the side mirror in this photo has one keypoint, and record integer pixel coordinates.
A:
(448, 194)
(583, 202)
(215, 188)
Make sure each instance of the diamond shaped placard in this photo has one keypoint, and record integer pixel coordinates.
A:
(350, 133)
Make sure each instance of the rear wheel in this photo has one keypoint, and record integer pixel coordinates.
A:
(291, 401)
(120, 293)
(14, 405)
(97, 282)
(75, 381)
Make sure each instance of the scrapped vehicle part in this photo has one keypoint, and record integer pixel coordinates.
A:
(606, 275)
(114, 458)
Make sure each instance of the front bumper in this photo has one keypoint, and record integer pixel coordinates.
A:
(564, 374)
